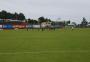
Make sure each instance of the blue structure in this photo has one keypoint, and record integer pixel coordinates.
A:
(8, 26)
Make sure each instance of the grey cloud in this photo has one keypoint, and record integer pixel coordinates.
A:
(65, 9)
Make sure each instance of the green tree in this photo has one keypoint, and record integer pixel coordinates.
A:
(7, 15)
(15, 16)
(84, 22)
(31, 21)
(42, 19)
(21, 16)
(3, 14)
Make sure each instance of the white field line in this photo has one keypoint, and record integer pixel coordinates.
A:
(42, 52)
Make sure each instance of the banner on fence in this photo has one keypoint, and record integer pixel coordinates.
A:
(8, 26)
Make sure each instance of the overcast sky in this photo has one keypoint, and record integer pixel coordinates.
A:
(54, 9)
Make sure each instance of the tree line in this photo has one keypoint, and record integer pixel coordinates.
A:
(39, 21)
(15, 16)
(20, 16)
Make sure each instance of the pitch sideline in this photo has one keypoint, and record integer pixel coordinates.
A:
(42, 52)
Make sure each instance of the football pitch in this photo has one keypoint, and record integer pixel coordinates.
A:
(62, 45)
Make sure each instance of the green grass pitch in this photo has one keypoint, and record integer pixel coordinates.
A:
(63, 45)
